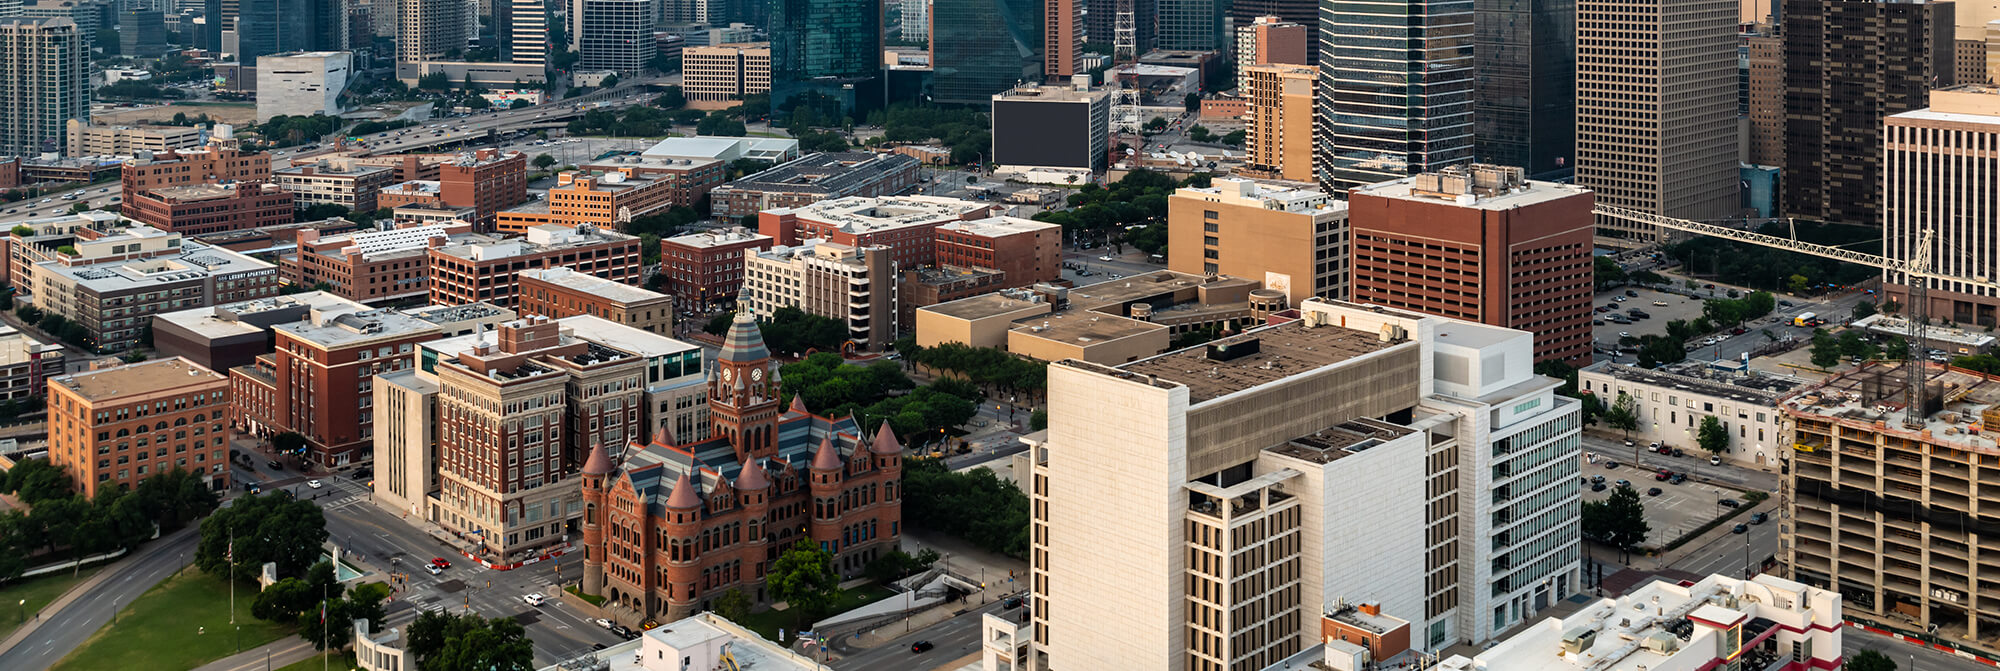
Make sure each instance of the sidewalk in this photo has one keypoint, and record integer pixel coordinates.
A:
(273, 655)
(155, 547)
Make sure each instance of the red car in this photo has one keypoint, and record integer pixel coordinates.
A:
(440, 562)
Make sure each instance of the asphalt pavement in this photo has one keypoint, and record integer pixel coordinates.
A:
(126, 580)
(953, 638)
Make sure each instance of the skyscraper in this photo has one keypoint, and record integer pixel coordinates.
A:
(1062, 37)
(1396, 89)
(916, 25)
(1849, 64)
(1190, 25)
(1939, 165)
(426, 30)
(614, 34)
(1269, 40)
(1280, 139)
(1302, 12)
(44, 76)
(983, 47)
(1656, 108)
(832, 48)
(281, 26)
(1126, 25)
(527, 30)
(1524, 100)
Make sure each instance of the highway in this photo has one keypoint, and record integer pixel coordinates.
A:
(53, 204)
(124, 581)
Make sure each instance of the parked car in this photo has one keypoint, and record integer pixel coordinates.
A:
(1597, 487)
(1715, 460)
(1631, 293)
(622, 632)
(1653, 492)
(1597, 479)
(1610, 464)
(1625, 483)
(602, 623)
(1659, 304)
(1677, 479)
(1011, 604)
(1729, 503)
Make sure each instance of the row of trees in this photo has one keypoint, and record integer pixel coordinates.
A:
(790, 331)
(276, 528)
(965, 131)
(445, 641)
(1828, 349)
(1751, 265)
(115, 518)
(880, 392)
(56, 325)
(975, 505)
(992, 369)
(285, 131)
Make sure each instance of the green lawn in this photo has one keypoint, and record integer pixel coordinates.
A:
(343, 662)
(768, 621)
(179, 624)
(38, 591)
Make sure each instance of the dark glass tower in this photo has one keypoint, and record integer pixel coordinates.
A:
(1524, 102)
(1396, 89)
(283, 26)
(829, 47)
(983, 47)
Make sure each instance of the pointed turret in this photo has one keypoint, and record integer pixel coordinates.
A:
(599, 462)
(885, 441)
(828, 456)
(745, 342)
(798, 405)
(684, 496)
(752, 478)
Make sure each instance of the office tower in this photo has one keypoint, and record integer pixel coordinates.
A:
(1939, 168)
(1358, 454)
(1280, 137)
(916, 21)
(1294, 239)
(614, 35)
(213, 22)
(1190, 25)
(982, 47)
(1062, 38)
(1269, 40)
(1849, 64)
(426, 30)
(1245, 13)
(143, 34)
(87, 15)
(282, 26)
(1105, 18)
(1764, 97)
(10, 8)
(716, 77)
(831, 48)
(527, 30)
(1396, 90)
(1524, 103)
(1656, 109)
(1052, 126)
(44, 74)
(1479, 243)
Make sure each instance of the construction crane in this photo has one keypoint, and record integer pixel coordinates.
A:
(1917, 267)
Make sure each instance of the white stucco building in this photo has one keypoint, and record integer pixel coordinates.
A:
(302, 84)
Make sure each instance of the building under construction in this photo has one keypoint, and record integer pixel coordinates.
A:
(1900, 511)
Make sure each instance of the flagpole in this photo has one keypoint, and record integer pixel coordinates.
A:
(230, 559)
(323, 659)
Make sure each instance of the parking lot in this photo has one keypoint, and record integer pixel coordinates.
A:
(1649, 301)
(1677, 509)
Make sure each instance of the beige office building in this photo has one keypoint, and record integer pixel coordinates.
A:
(720, 76)
(1292, 239)
(1939, 166)
(86, 139)
(1281, 116)
(1656, 129)
(428, 29)
(1356, 454)
(855, 286)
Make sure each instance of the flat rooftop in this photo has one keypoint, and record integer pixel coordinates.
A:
(1893, 325)
(1082, 327)
(650, 162)
(1284, 350)
(415, 187)
(225, 320)
(195, 192)
(331, 330)
(1054, 94)
(196, 262)
(1533, 193)
(993, 227)
(145, 377)
(17, 347)
(829, 172)
(858, 214)
(1657, 611)
(332, 169)
(1875, 394)
(1143, 285)
(983, 306)
(1698, 377)
(717, 238)
(1335, 442)
(447, 314)
(613, 334)
(591, 284)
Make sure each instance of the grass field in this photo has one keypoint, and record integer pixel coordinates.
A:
(38, 592)
(768, 622)
(179, 624)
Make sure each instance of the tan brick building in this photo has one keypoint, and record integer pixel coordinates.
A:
(116, 426)
(562, 292)
(351, 187)
(370, 266)
(1294, 240)
(719, 76)
(479, 267)
(1280, 122)
(219, 162)
(606, 200)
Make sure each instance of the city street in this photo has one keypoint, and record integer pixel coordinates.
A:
(118, 586)
(954, 638)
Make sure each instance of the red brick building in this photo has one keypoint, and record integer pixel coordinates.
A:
(905, 224)
(1027, 251)
(486, 181)
(211, 208)
(706, 269)
(318, 380)
(479, 267)
(116, 426)
(1481, 244)
(369, 266)
(216, 164)
(675, 525)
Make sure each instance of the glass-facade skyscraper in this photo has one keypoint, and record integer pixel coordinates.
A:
(1190, 25)
(983, 47)
(1524, 96)
(282, 26)
(831, 47)
(1396, 89)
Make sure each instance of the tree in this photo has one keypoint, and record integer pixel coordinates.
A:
(733, 605)
(1853, 346)
(1863, 310)
(478, 644)
(1711, 436)
(1039, 420)
(327, 625)
(1235, 138)
(1619, 520)
(936, 498)
(1623, 415)
(265, 528)
(1870, 660)
(1797, 284)
(288, 442)
(1825, 349)
(544, 161)
(1891, 307)
(1607, 272)
(804, 579)
(717, 123)
(283, 601)
(36, 480)
(1192, 102)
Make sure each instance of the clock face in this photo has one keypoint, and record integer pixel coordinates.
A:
(728, 374)
(756, 375)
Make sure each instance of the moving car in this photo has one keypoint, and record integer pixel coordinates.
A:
(434, 570)
(533, 599)
(1759, 518)
(1739, 529)
(440, 562)
(920, 646)
(313, 484)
